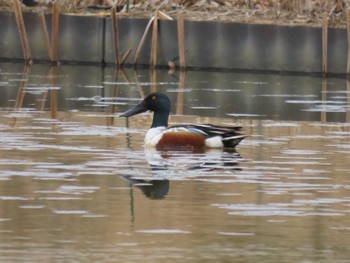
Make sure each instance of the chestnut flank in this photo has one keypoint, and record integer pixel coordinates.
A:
(181, 139)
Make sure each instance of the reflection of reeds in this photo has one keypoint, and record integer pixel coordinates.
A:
(180, 96)
(138, 84)
(153, 80)
(52, 76)
(110, 119)
(22, 87)
(53, 92)
(348, 97)
(324, 101)
(21, 91)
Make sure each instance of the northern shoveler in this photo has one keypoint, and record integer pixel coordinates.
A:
(160, 136)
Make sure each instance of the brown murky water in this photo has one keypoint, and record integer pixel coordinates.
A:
(76, 184)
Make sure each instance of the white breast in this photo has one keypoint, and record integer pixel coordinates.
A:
(153, 136)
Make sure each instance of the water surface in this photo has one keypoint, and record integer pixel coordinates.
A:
(77, 185)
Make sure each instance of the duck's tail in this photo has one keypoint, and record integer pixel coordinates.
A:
(233, 141)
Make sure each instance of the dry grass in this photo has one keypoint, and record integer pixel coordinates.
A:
(249, 11)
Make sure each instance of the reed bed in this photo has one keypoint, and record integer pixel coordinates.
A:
(247, 11)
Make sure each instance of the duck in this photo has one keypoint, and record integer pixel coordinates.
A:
(188, 136)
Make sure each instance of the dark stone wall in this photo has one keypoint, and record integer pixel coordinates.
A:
(209, 45)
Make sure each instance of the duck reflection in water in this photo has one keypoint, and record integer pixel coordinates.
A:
(182, 165)
(153, 189)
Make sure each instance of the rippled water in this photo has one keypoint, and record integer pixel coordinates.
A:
(77, 185)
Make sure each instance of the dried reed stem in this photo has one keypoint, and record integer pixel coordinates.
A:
(143, 39)
(46, 33)
(154, 46)
(181, 39)
(324, 43)
(115, 32)
(348, 34)
(54, 32)
(163, 15)
(125, 56)
(22, 31)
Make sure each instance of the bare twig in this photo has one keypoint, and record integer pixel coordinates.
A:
(143, 39)
(163, 15)
(125, 56)
(46, 33)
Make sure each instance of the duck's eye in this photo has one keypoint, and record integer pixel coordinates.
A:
(154, 97)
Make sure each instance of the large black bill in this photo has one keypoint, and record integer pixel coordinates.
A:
(139, 108)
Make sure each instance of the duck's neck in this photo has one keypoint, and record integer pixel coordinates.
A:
(160, 119)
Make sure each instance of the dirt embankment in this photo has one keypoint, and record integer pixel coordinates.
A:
(284, 12)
